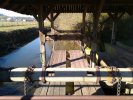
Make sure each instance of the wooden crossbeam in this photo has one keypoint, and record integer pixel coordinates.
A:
(45, 2)
(72, 69)
(71, 79)
(49, 18)
(115, 16)
(64, 37)
(36, 17)
(57, 14)
(27, 97)
(52, 18)
(68, 74)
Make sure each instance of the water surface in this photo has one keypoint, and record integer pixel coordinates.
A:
(25, 56)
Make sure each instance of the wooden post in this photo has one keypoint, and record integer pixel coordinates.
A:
(115, 17)
(52, 22)
(94, 41)
(69, 85)
(42, 40)
(83, 20)
(113, 32)
(96, 15)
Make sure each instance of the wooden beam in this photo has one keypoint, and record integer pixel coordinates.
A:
(61, 97)
(52, 22)
(36, 17)
(48, 18)
(96, 15)
(46, 2)
(115, 17)
(42, 40)
(6, 2)
(83, 19)
(71, 69)
(57, 14)
(51, 7)
(73, 74)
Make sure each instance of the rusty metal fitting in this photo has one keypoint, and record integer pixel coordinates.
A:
(29, 72)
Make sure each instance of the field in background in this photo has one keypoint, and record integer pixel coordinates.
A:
(12, 26)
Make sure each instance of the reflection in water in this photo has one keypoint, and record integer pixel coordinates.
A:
(25, 56)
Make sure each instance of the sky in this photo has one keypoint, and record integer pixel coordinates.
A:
(11, 13)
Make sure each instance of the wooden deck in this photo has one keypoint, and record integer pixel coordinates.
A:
(58, 59)
(58, 88)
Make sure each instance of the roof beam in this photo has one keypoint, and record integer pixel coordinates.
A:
(5, 3)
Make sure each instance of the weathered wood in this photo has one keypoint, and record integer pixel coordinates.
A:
(71, 79)
(49, 18)
(115, 17)
(77, 89)
(18, 74)
(55, 16)
(76, 69)
(57, 88)
(42, 40)
(96, 15)
(85, 88)
(36, 17)
(52, 22)
(66, 97)
(44, 88)
(83, 20)
(51, 89)
(113, 32)
(62, 88)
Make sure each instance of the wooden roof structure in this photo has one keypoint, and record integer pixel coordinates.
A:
(30, 7)
(40, 9)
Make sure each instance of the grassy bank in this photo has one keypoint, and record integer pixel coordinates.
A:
(12, 40)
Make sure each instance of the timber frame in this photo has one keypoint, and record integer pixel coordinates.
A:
(41, 9)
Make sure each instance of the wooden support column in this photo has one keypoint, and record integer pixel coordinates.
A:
(42, 41)
(113, 32)
(83, 20)
(115, 17)
(52, 19)
(96, 15)
(52, 22)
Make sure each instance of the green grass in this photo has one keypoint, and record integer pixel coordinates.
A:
(12, 26)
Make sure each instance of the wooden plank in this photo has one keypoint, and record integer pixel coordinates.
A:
(67, 97)
(75, 69)
(51, 89)
(37, 91)
(77, 89)
(45, 89)
(53, 59)
(57, 88)
(92, 88)
(85, 88)
(62, 88)
(63, 58)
